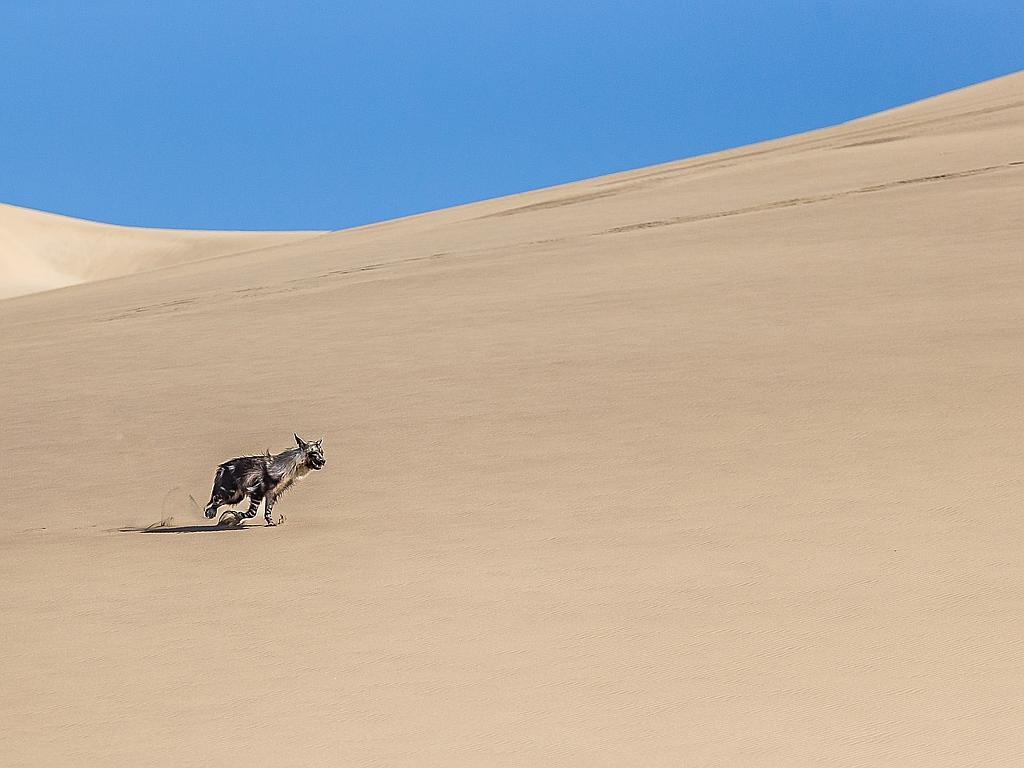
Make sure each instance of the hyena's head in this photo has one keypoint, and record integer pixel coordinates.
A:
(312, 453)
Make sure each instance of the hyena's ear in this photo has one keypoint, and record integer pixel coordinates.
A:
(299, 441)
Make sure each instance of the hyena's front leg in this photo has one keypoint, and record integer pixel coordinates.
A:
(268, 508)
(254, 505)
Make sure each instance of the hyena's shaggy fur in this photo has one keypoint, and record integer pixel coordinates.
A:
(263, 478)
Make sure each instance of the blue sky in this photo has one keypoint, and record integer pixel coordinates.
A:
(324, 115)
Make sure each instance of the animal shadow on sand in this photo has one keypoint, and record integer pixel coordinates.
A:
(165, 526)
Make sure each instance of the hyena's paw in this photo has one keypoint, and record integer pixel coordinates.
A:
(270, 521)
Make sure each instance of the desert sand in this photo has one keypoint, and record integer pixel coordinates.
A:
(715, 463)
(40, 251)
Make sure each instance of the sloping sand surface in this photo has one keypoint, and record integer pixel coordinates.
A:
(717, 463)
(40, 251)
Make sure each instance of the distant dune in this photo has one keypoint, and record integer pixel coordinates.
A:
(40, 251)
(715, 463)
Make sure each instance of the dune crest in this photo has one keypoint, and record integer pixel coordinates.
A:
(40, 251)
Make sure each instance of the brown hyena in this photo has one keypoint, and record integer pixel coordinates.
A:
(263, 478)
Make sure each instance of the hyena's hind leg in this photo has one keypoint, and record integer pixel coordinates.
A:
(222, 493)
(218, 500)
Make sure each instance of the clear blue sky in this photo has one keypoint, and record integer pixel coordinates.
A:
(323, 115)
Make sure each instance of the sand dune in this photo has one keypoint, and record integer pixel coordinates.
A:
(715, 463)
(40, 251)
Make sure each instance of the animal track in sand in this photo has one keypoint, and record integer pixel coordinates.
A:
(164, 306)
(794, 201)
(261, 291)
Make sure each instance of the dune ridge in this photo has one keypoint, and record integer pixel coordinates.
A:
(712, 463)
(41, 251)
